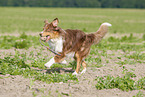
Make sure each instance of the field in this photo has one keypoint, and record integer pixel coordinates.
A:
(116, 66)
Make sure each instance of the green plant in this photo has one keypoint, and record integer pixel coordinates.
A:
(22, 44)
(137, 56)
(7, 42)
(23, 36)
(139, 94)
(141, 83)
(39, 63)
(143, 37)
(126, 39)
(125, 83)
(16, 65)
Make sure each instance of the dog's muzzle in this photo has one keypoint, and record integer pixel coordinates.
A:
(45, 39)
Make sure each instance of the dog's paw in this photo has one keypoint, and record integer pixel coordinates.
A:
(84, 71)
(47, 65)
(64, 62)
(75, 73)
(51, 62)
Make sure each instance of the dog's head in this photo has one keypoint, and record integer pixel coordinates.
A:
(50, 30)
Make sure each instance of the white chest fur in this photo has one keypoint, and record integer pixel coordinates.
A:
(56, 44)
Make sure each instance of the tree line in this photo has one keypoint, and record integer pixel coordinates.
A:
(75, 3)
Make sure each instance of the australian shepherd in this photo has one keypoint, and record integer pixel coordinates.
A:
(74, 43)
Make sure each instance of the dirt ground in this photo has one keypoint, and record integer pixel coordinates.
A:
(18, 86)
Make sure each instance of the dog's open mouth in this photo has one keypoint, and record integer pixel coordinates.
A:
(45, 39)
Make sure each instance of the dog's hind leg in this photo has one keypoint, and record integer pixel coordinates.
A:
(84, 67)
(79, 61)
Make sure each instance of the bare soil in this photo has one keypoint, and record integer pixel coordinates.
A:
(18, 86)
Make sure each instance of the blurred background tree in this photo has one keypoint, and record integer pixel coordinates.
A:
(75, 3)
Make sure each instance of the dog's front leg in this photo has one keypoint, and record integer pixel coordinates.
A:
(78, 68)
(56, 59)
(51, 62)
(64, 62)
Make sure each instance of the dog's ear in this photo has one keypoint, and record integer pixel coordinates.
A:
(55, 22)
(46, 21)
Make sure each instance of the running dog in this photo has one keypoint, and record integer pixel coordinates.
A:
(74, 43)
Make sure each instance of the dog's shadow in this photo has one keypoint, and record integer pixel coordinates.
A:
(60, 70)
(54, 70)
(63, 70)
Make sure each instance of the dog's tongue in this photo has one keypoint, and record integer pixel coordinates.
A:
(47, 39)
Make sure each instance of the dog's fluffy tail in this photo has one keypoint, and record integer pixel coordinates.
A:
(101, 32)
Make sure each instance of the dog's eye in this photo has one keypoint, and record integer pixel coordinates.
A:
(56, 29)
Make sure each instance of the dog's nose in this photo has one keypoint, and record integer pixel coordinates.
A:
(40, 34)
